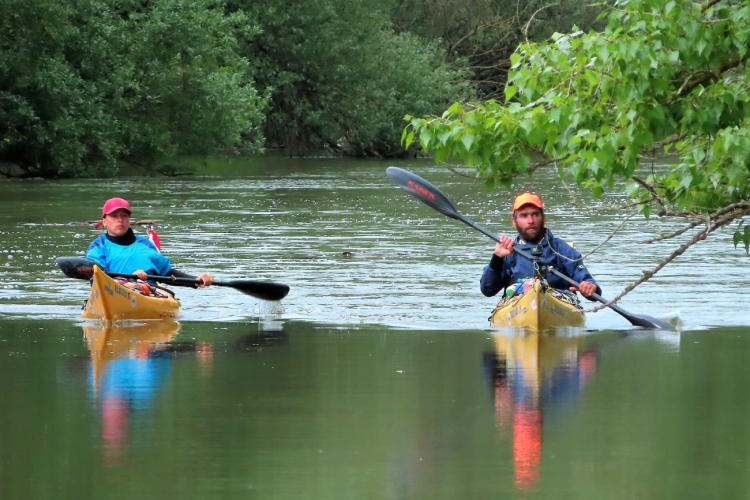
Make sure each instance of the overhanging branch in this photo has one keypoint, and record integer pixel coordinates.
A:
(731, 214)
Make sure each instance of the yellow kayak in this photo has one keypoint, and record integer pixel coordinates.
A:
(538, 308)
(110, 301)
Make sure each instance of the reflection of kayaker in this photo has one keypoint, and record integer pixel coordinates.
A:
(532, 375)
(126, 370)
(108, 343)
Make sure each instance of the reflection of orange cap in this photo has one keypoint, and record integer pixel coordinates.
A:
(527, 198)
(527, 446)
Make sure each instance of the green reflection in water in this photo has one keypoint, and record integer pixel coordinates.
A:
(302, 410)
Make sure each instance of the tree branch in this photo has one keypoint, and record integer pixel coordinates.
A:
(707, 4)
(739, 211)
(696, 79)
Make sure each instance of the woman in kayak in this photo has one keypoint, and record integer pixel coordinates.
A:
(119, 250)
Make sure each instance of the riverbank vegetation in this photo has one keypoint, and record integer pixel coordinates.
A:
(87, 88)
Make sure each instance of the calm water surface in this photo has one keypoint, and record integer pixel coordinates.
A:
(377, 376)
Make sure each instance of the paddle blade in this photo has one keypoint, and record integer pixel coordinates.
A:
(422, 190)
(263, 290)
(641, 320)
(76, 267)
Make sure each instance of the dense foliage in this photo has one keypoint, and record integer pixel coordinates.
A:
(87, 86)
(486, 32)
(339, 78)
(663, 76)
(84, 84)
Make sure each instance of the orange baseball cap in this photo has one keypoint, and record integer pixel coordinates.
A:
(527, 198)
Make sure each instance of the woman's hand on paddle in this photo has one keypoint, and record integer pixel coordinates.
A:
(504, 247)
(141, 274)
(206, 278)
(585, 287)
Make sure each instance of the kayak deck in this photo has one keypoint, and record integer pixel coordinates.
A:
(539, 307)
(110, 301)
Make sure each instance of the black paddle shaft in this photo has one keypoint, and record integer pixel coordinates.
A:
(432, 196)
(82, 268)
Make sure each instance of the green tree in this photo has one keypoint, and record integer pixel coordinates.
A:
(662, 77)
(86, 84)
(340, 78)
(487, 32)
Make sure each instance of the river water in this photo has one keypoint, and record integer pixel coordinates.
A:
(377, 377)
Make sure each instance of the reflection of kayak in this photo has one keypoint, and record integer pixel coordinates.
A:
(110, 301)
(538, 308)
(108, 343)
(536, 359)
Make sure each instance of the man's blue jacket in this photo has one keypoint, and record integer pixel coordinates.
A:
(556, 253)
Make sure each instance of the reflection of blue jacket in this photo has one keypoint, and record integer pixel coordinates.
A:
(134, 381)
(501, 272)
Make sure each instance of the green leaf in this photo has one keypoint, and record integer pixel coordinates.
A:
(456, 109)
(468, 140)
(687, 179)
(700, 45)
(444, 136)
(408, 139)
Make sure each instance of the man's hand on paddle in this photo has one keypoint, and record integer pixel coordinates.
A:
(585, 287)
(504, 247)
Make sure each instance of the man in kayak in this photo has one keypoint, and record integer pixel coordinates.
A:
(506, 267)
(119, 250)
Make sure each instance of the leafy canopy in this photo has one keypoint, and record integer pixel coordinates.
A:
(86, 84)
(662, 77)
(339, 78)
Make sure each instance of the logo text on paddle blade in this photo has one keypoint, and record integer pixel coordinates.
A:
(422, 191)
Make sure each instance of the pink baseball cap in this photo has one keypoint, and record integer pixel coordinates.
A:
(112, 205)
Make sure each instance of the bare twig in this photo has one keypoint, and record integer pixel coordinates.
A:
(674, 234)
(525, 29)
(654, 195)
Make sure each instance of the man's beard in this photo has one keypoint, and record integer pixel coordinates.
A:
(535, 238)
